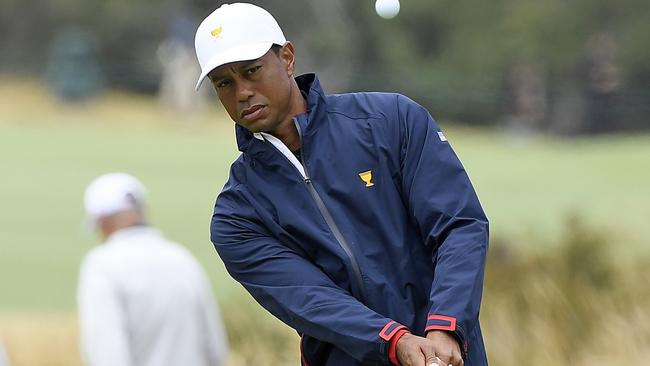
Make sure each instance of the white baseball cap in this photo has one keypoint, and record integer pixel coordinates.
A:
(235, 32)
(110, 194)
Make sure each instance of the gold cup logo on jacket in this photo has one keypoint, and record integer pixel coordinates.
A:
(366, 177)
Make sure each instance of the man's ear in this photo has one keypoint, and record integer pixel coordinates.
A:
(288, 57)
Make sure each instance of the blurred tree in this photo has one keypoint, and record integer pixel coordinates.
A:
(555, 66)
(73, 71)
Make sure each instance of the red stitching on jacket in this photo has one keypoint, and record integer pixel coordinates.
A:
(382, 332)
(451, 320)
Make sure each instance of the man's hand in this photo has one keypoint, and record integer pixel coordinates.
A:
(438, 348)
(447, 347)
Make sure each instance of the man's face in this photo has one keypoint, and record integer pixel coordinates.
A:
(256, 94)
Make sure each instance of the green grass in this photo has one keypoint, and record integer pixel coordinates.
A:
(49, 152)
(45, 170)
(48, 156)
(529, 189)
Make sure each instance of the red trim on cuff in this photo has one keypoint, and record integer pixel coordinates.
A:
(389, 330)
(382, 332)
(392, 349)
(450, 327)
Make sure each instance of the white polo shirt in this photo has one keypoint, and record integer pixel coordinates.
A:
(3, 356)
(145, 301)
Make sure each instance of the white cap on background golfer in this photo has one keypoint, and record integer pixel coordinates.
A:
(235, 32)
(110, 194)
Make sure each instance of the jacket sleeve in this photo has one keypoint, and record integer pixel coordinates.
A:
(104, 338)
(443, 204)
(295, 290)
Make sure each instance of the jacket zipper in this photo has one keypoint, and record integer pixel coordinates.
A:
(329, 220)
(337, 233)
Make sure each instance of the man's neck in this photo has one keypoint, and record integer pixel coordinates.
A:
(288, 134)
(110, 224)
(287, 131)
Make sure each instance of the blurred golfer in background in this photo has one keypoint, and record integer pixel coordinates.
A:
(143, 300)
(3, 357)
(347, 216)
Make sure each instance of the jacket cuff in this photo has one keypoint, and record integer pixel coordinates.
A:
(392, 349)
(447, 323)
(440, 322)
(391, 333)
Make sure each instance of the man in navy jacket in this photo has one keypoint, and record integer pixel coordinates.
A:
(348, 217)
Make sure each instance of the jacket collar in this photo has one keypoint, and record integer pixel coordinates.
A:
(310, 86)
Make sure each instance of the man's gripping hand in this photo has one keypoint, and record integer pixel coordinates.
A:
(438, 348)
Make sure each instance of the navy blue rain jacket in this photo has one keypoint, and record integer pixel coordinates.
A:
(385, 232)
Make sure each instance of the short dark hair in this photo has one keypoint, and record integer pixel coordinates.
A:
(276, 48)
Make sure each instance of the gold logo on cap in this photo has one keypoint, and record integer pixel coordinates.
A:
(366, 177)
(216, 32)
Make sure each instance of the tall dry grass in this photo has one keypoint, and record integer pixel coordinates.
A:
(576, 304)
(40, 339)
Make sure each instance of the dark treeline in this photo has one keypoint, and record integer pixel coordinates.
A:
(556, 66)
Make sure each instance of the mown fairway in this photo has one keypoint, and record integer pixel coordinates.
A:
(49, 152)
(45, 168)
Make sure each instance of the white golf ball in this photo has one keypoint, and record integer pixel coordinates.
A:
(387, 8)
